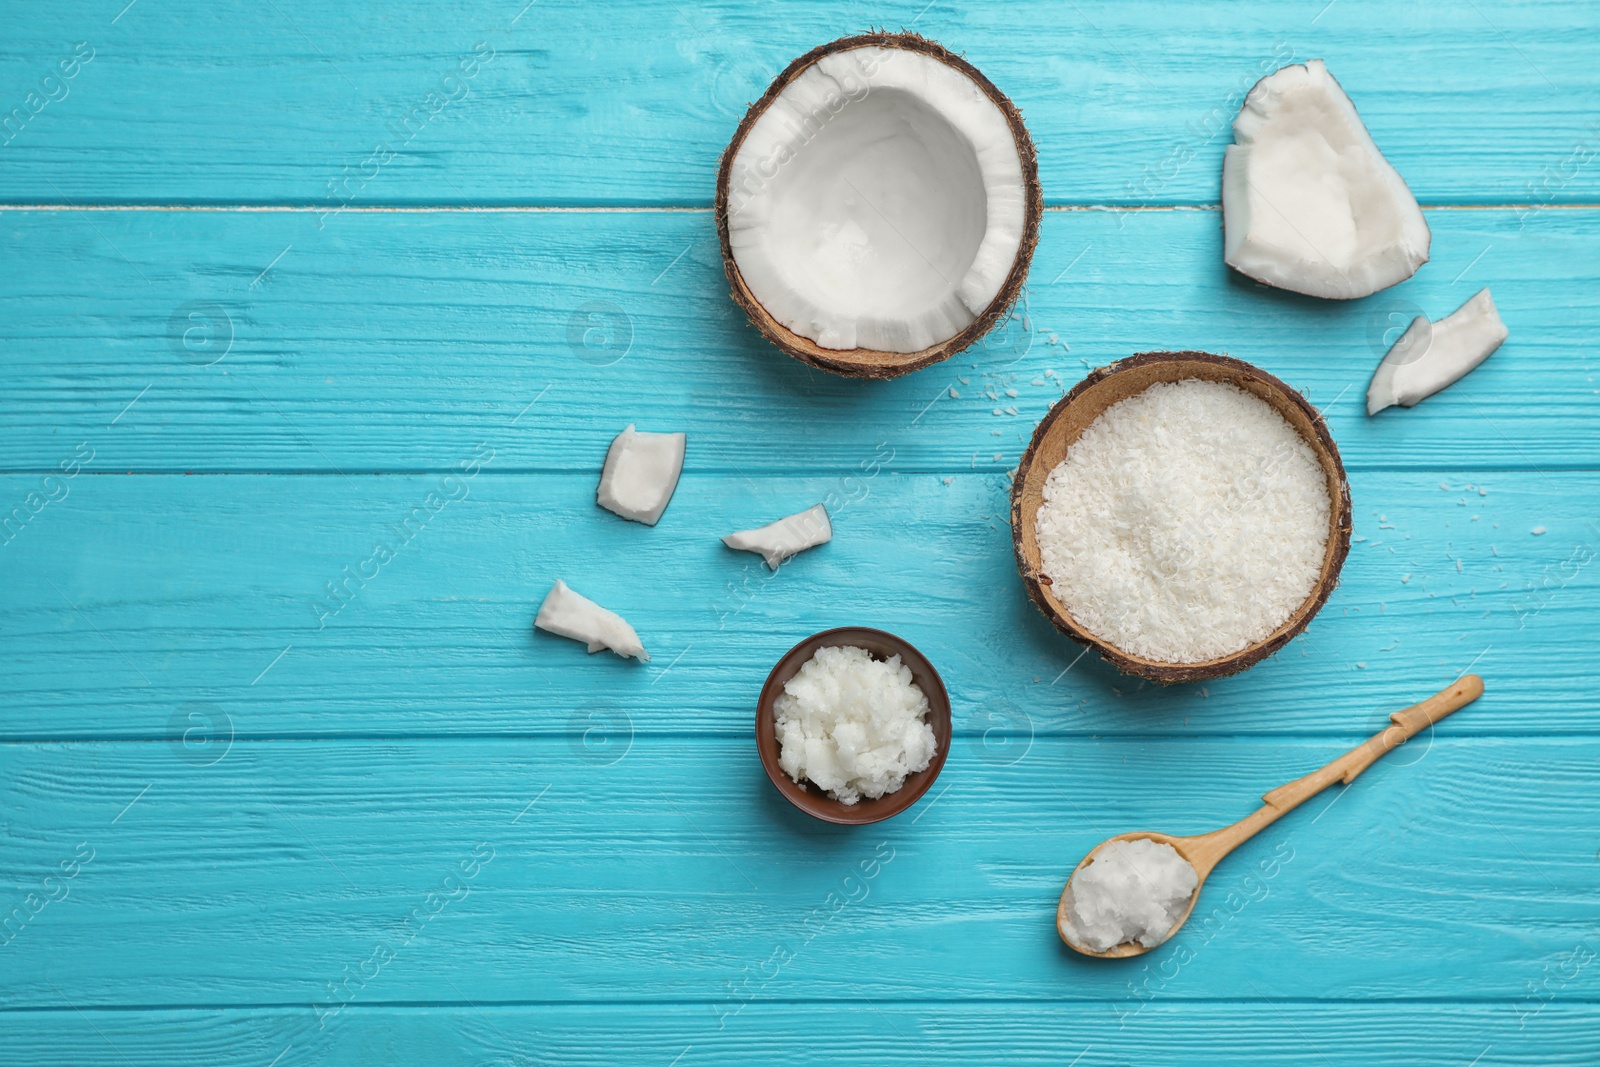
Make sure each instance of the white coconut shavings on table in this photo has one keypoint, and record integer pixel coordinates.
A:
(1187, 523)
(855, 726)
(1133, 891)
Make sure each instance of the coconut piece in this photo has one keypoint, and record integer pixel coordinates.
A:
(568, 614)
(777, 541)
(641, 474)
(878, 206)
(1432, 355)
(1309, 204)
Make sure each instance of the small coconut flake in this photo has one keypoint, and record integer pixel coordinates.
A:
(1309, 204)
(641, 474)
(1432, 355)
(1538, 530)
(1132, 891)
(853, 725)
(1011, 393)
(954, 393)
(568, 614)
(777, 541)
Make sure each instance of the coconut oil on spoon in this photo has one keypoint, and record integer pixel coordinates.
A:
(1143, 881)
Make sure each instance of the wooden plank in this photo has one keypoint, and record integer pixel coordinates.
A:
(134, 598)
(291, 102)
(678, 873)
(201, 341)
(1245, 1034)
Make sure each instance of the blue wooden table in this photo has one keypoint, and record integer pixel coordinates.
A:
(282, 278)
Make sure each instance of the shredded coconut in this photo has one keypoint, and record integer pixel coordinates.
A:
(1188, 522)
(1133, 891)
(853, 725)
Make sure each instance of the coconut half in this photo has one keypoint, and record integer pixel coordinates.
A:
(1309, 204)
(878, 206)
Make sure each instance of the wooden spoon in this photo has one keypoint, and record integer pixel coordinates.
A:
(1207, 850)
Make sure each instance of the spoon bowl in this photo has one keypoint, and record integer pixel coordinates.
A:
(1205, 851)
(1183, 846)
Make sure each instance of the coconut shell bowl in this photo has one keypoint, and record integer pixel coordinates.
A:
(806, 796)
(888, 129)
(1073, 414)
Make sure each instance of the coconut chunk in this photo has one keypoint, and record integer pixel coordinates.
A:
(881, 198)
(1309, 204)
(1432, 355)
(777, 541)
(641, 474)
(568, 614)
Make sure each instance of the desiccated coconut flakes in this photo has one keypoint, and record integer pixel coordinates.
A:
(1185, 523)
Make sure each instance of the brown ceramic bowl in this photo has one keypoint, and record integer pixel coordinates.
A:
(806, 796)
(1072, 415)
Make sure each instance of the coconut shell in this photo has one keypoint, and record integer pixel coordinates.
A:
(1066, 422)
(868, 362)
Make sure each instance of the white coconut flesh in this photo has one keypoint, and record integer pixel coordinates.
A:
(777, 541)
(1309, 203)
(641, 474)
(569, 614)
(1432, 355)
(878, 203)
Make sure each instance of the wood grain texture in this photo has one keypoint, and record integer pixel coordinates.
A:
(630, 104)
(261, 878)
(411, 830)
(253, 342)
(1159, 1034)
(136, 596)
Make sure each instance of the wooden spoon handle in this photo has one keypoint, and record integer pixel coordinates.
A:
(1407, 723)
(1209, 849)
